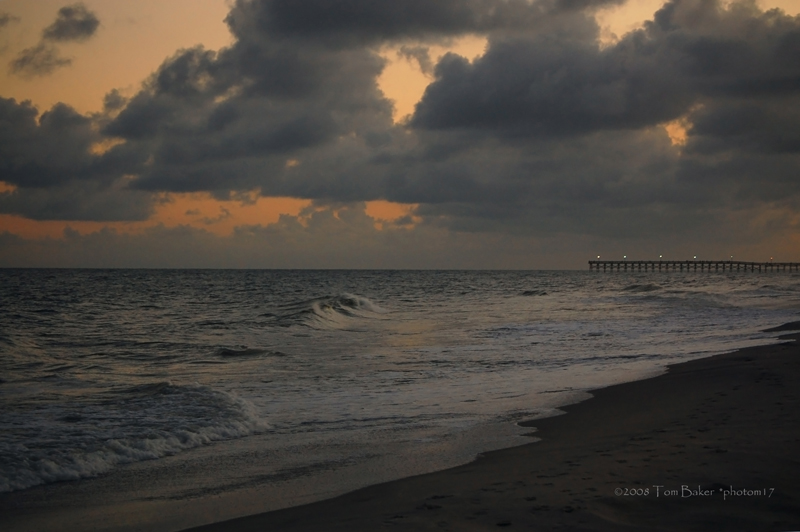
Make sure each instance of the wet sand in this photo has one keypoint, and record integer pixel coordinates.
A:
(713, 444)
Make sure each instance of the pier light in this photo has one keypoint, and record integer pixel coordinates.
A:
(660, 257)
(695, 257)
(624, 257)
(598, 257)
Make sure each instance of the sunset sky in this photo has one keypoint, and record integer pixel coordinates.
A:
(404, 134)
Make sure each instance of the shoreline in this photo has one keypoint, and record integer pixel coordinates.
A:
(709, 445)
(726, 420)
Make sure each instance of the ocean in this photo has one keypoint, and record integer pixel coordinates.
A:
(305, 384)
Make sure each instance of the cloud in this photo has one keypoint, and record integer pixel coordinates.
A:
(49, 159)
(550, 84)
(6, 19)
(114, 101)
(78, 201)
(74, 23)
(547, 133)
(420, 55)
(40, 60)
(362, 22)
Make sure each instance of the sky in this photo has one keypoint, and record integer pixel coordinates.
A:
(525, 134)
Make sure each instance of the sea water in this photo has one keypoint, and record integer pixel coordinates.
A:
(329, 380)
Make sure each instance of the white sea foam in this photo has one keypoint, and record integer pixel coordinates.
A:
(145, 422)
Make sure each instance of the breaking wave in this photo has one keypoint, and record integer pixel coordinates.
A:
(332, 312)
(57, 442)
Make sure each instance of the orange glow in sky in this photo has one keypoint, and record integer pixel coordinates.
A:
(386, 211)
(197, 209)
(676, 130)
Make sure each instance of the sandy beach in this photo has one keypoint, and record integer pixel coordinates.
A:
(710, 445)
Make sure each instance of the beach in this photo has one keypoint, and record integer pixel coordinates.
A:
(398, 400)
(710, 445)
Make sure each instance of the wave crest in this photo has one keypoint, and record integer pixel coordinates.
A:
(122, 426)
(331, 312)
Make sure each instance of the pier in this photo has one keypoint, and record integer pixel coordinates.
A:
(692, 265)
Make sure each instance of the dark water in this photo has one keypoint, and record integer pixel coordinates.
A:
(103, 368)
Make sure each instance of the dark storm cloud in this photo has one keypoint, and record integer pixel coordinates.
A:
(547, 132)
(74, 23)
(49, 159)
(769, 127)
(596, 183)
(242, 112)
(537, 86)
(579, 5)
(547, 84)
(78, 201)
(46, 151)
(362, 22)
(730, 72)
(359, 22)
